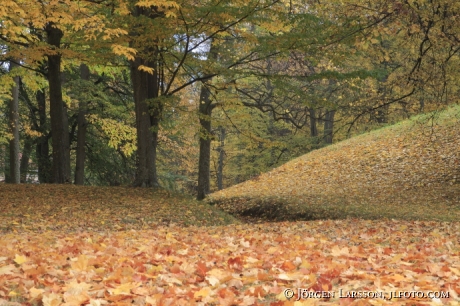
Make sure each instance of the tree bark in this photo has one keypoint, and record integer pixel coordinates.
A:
(81, 133)
(42, 148)
(148, 110)
(24, 164)
(205, 111)
(204, 162)
(15, 177)
(313, 126)
(6, 163)
(147, 124)
(220, 164)
(58, 111)
(329, 126)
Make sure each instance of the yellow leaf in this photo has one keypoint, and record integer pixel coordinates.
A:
(123, 289)
(149, 70)
(80, 263)
(52, 299)
(337, 251)
(204, 292)
(20, 259)
(455, 270)
(125, 51)
(36, 293)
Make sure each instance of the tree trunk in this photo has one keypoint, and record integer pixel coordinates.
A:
(14, 129)
(204, 163)
(42, 148)
(313, 126)
(81, 133)
(204, 111)
(147, 124)
(329, 126)
(24, 169)
(146, 88)
(220, 164)
(58, 111)
(6, 163)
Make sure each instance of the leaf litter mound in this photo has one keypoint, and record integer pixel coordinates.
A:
(407, 171)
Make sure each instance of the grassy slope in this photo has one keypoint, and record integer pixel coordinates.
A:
(407, 171)
(69, 208)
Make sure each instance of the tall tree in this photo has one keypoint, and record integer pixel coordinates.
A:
(81, 132)
(42, 147)
(205, 108)
(58, 110)
(14, 129)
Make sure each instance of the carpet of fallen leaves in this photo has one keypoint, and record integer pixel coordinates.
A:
(408, 171)
(36, 208)
(69, 245)
(234, 264)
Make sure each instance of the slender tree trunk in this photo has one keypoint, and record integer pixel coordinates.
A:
(205, 111)
(14, 129)
(313, 126)
(204, 163)
(220, 164)
(58, 111)
(6, 163)
(24, 169)
(329, 126)
(81, 133)
(42, 148)
(155, 111)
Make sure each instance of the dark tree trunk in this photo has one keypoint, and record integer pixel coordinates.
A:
(148, 110)
(147, 124)
(204, 111)
(329, 126)
(14, 129)
(6, 163)
(42, 148)
(25, 159)
(204, 163)
(81, 133)
(313, 126)
(220, 164)
(58, 111)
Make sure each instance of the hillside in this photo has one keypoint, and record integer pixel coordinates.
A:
(406, 171)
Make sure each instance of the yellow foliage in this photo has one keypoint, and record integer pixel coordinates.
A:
(149, 70)
(129, 53)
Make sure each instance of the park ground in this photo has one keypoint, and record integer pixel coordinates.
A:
(376, 213)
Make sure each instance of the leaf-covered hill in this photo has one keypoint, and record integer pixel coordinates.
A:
(407, 171)
(44, 207)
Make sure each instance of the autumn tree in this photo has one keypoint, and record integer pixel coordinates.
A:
(14, 129)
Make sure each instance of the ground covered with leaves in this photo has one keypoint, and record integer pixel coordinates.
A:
(407, 171)
(236, 265)
(76, 208)
(70, 245)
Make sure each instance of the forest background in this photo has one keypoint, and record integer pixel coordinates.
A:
(196, 96)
